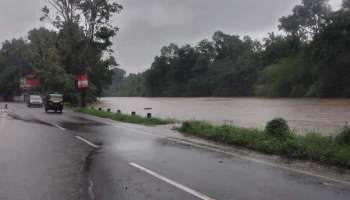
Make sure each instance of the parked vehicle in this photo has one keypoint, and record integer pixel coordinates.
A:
(54, 102)
(34, 101)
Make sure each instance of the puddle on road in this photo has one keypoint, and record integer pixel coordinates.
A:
(86, 126)
(29, 120)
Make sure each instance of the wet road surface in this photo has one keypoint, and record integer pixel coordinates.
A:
(74, 156)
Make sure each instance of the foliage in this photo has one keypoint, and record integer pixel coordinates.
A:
(15, 59)
(307, 19)
(312, 146)
(133, 85)
(225, 66)
(310, 59)
(331, 53)
(278, 127)
(118, 76)
(346, 4)
(81, 43)
(344, 135)
(291, 77)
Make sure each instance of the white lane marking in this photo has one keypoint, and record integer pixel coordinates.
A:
(173, 183)
(308, 173)
(2, 121)
(58, 126)
(91, 189)
(87, 142)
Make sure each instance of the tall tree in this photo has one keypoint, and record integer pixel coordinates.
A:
(85, 31)
(306, 19)
(346, 4)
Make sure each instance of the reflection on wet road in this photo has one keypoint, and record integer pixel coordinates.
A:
(136, 162)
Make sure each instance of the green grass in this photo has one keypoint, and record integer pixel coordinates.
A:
(123, 117)
(314, 147)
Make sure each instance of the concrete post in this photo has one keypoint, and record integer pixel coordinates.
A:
(149, 115)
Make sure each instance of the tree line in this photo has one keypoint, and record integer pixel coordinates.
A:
(78, 42)
(309, 58)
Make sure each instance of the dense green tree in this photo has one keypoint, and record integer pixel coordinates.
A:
(133, 85)
(15, 60)
(226, 66)
(331, 53)
(84, 40)
(346, 4)
(290, 77)
(306, 19)
(118, 76)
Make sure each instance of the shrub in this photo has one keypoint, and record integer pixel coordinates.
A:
(278, 128)
(344, 136)
(312, 146)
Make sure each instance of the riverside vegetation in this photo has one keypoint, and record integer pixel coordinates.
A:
(79, 41)
(277, 138)
(310, 57)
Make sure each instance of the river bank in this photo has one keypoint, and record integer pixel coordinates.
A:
(312, 146)
(325, 116)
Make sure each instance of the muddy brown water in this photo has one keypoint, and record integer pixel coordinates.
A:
(305, 115)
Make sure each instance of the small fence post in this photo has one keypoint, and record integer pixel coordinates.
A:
(149, 115)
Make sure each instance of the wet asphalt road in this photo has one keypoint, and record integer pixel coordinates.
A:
(42, 158)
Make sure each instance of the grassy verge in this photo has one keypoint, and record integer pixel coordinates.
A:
(327, 150)
(123, 117)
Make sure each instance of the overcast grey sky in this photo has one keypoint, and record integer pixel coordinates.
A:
(147, 25)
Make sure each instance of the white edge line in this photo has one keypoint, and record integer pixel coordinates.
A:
(241, 157)
(173, 183)
(59, 127)
(78, 137)
(87, 142)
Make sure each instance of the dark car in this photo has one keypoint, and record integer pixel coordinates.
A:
(54, 102)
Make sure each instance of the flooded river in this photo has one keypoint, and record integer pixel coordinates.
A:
(321, 115)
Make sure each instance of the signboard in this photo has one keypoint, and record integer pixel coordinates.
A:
(29, 82)
(32, 82)
(22, 83)
(83, 81)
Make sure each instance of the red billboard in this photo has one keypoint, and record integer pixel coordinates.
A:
(83, 81)
(30, 81)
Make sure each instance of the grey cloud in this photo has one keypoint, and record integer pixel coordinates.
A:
(147, 25)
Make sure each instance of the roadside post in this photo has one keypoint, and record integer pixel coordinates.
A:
(83, 84)
(149, 115)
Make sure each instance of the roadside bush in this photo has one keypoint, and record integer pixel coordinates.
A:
(312, 146)
(278, 128)
(186, 126)
(344, 136)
